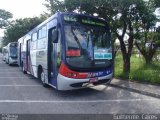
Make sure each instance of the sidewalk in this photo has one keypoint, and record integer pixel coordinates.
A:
(146, 89)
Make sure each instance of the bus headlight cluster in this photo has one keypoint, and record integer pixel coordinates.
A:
(108, 71)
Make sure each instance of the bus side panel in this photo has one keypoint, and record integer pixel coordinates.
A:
(28, 57)
(38, 56)
(33, 60)
(42, 55)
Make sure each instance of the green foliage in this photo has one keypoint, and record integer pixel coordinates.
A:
(4, 18)
(139, 70)
(155, 3)
(125, 15)
(120, 14)
(19, 28)
(54, 6)
(145, 34)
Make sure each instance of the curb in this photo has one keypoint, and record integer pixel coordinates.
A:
(135, 90)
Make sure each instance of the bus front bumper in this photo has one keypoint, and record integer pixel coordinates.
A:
(65, 83)
(13, 61)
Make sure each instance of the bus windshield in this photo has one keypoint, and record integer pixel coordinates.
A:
(13, 51)
(87, 45)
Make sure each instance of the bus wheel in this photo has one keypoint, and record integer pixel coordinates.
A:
(41, 77)
(23, 70)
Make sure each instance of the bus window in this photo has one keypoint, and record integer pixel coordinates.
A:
(59, 48)
(42, 32)
(34, 36)
(34, 43)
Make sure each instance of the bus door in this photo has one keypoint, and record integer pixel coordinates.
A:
(53, 59)
(28, 59)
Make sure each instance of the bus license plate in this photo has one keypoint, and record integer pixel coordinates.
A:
(93, 80)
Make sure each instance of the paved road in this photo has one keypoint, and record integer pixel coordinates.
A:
(21, 94)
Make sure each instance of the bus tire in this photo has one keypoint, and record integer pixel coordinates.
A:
(42, 77)
(23, 70)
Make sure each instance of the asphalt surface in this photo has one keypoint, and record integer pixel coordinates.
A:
(23, 94)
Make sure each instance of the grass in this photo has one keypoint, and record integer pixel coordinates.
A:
(139, 70)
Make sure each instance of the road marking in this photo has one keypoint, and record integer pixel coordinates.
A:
(13, 77)
(19, 85)
(8, 68)
(9, 72)
(85, 101)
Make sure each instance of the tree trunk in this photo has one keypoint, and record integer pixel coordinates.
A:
(148, 60)
(148, 55)
(126, 57)
(126, 63)
(126, 53)
(126, 66)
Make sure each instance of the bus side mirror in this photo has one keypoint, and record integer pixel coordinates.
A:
(54, 36)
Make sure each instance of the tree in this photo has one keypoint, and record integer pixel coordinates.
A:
(155, 3)
(54, 5)
(4, 18)
(148, 44)
(147, 38)
(19, 28)
(120, 14)
(123, 18)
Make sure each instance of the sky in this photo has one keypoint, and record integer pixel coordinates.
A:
(25, 8)
(22, 8)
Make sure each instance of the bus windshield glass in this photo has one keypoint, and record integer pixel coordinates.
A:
(13, 50)
(88, 42)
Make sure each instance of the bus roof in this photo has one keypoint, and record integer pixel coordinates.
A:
(11, 43)
(54, 16)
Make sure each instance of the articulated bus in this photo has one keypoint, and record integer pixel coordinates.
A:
(4, 51)
(11, 53)
(68, 51)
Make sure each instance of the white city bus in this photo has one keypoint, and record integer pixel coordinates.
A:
(4, 51)
(68, 51)
(11, 56)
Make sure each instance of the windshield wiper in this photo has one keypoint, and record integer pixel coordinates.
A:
(76, 38)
